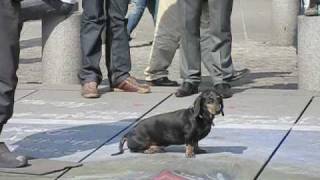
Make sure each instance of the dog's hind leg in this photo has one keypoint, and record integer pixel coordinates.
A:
(154, 149)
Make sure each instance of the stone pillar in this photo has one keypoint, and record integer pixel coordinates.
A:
(284, 19)
(61, 54)
(309, 53)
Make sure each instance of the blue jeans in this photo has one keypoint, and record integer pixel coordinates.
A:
(136, 14)
(117, 50)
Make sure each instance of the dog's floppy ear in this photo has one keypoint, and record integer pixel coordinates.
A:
(222, 107)
(197, 106)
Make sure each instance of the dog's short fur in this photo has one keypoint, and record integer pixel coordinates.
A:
(186, 126)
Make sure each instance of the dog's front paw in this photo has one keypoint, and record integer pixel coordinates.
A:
(190, 155)
(190, 151)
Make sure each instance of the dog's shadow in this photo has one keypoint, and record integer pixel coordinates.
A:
(210, 149)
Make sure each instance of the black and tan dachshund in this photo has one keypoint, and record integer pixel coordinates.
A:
(185, 126)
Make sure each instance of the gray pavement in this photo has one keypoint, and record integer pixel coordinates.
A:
(54, 122)
(58, 124)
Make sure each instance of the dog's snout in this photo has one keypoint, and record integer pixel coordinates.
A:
(211, 108)
(214, 108)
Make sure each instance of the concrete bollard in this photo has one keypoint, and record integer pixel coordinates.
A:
(61, 54)
(284, 19)
(308, 53)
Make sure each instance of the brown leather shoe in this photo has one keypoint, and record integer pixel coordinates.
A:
(90, 90)
(132, 85)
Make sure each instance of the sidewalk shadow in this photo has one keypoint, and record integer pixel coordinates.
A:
(30, 61)
(68, 141)
(30, 43)
(141, 44)
(211, 149)
(249, 80)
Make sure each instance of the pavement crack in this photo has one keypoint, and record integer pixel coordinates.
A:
(282, 140)
(29, 94)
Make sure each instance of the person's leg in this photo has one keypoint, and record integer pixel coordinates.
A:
(217, 53)
(135, 15)
(37, 9)
(9, 60)
(152, 7)
(166, 42)
(189, 14)
(119, 64)
(9, 56)
(215, 65)
(59, 6)
(216, 42)
(92, 24)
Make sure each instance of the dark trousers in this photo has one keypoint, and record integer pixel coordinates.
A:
(9, 55)
(94, 21)
(37, 9)
(190, 15)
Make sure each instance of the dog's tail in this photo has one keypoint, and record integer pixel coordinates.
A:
(121, 144)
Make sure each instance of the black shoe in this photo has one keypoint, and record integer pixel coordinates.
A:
(238, 74)
(224, 90)
(162, 82)
(11, 160)
(187, 89)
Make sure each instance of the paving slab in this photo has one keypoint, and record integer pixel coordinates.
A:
(262, 108)
(298, 157)
(63, 126)
(276, 92)
(232, 154)
(22, 93)
(312, 114)
(69, 105)
(246, 19)
(241, 111)
(240, 143)
(59, 140)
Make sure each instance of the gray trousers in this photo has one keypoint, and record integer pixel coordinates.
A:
(94, 21)
(168, 36)
(216, 39)
(9, 56)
